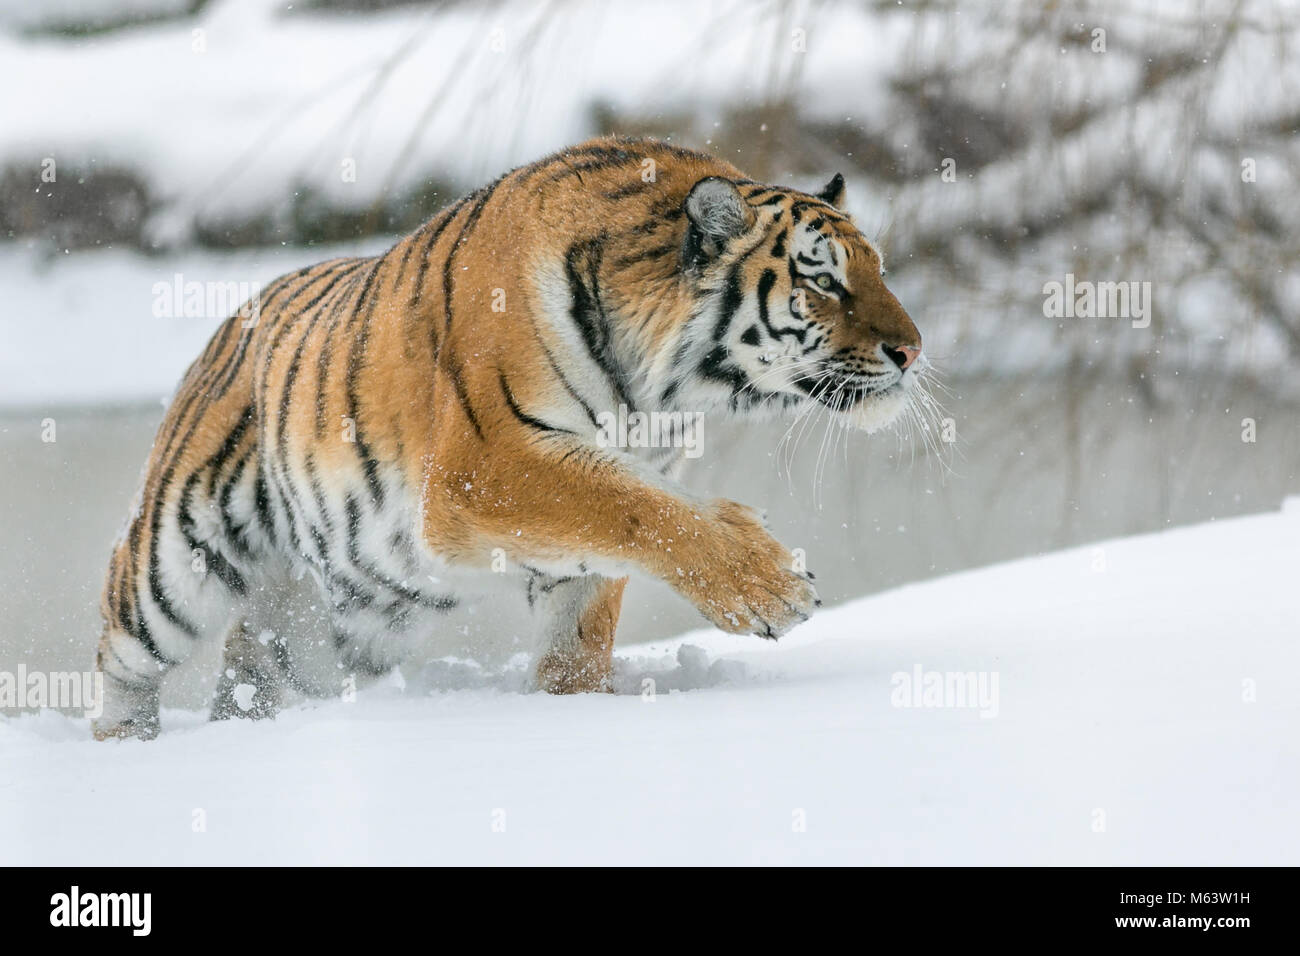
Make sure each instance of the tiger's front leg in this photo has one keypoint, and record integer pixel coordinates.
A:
(566, 505)
(576, 618)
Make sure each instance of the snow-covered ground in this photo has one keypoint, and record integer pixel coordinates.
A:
(1145, 711)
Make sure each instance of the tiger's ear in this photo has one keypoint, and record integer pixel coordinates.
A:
(717, 212)
(833, 192)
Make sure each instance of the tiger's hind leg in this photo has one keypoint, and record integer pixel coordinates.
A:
(157, 610)
(576, 619)
(182, 574)
(135, 659)
(254, 673)
(132, 685)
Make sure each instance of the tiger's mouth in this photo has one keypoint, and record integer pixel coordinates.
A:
(843, 391)
(859, 402)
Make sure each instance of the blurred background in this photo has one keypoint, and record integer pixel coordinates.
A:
(990, 149)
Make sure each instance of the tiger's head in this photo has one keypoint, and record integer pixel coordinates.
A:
(792, 308)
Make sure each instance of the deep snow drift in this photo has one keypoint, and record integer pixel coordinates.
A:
(1147, 696)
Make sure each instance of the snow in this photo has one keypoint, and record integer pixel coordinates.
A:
(1146, 712)
(431, 86)
(83, 329)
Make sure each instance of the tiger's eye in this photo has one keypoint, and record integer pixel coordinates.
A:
(824, 281)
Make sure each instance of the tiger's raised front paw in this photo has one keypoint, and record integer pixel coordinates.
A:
(749, 582)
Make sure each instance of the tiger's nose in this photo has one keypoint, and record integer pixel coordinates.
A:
(902, 355)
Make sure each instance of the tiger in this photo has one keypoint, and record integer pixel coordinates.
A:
(384, 429)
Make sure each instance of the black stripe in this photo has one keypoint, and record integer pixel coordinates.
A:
(667, 208)
(142, 634)
(588, 312)
(126, 590)
(480, 200)
(207, 360)
(355, 596)
(236, 363)
(731, 300)
(352, 511)
(215, 344)
(369, 466)
(655, 252)
(765, 283)
(111, 596)
(157, 505)
(286, 390)
(231, 442)
(646, 227)
(458, 386)
(397, 614)
(160, 600)
(197, 384)
(226, 573)
(564, 156)
(631, 189)
(194, 390)
(291, 502)
(818, 207)
(649, 144)
(715, 366)
(555, 368)
(325, 354)
(262, 504)
(322, 547)
(285, 319)
(145, 681)
(522, 415)
(214, 464)
(593, 160)
(290, 519)
(401, 266)
(234, 534)
(678, 364)
(318, 495)
(327, 305)
(439, 226)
